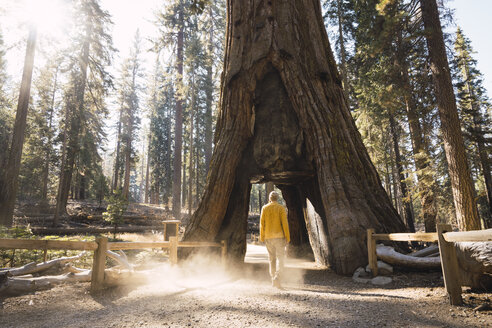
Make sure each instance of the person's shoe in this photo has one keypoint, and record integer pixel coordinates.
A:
(276, 284)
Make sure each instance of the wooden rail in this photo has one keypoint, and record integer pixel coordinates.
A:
(101, 246)
(449, 261)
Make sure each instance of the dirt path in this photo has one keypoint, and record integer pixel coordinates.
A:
(198, 294)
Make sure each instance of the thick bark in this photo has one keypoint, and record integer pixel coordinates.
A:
(459, 172)
(283, 111)
(299, 239)
(408, 216)
(178, 117)
(9, 181)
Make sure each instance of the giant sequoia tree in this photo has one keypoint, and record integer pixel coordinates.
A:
(284, 118)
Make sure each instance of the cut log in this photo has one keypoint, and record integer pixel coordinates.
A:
(475, 261)
(389, 255)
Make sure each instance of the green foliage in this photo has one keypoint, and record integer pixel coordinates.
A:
(19, 257)
(117, 205)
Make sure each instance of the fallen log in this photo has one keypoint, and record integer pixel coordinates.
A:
(389, 255)
(20, 286)
(121, 259)
(428, 251)
(92, 230)
(33, 267)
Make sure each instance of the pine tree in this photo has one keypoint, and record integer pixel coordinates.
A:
(9, 178)
(6, 120)
(88, 82)
(130, 89)
(472, 104)
(462, 185)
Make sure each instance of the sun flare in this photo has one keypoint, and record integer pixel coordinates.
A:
(48, 16)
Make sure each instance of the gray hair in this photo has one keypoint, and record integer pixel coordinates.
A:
(273, 196)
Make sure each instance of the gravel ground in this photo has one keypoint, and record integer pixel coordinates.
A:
(199, 293)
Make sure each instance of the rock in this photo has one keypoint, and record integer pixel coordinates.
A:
(358, 274)
(384, 269)
(380, 280)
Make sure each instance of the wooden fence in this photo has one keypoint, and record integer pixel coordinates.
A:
(101, 245)
(445, 238)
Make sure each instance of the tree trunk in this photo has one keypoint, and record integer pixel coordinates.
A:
(73, 144)
(343, 56)
(209, 96)
(299, 239)
(284, 118)
(459, 172)
(147, 172)
(481, 147)
(117, 155)
(191, 167)
(408, 214)
(269, 187)
(128, 155)
(420, 154)
(10, 180)
(46, 168)
(178, 117)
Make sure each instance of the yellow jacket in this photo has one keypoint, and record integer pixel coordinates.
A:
(273, 222)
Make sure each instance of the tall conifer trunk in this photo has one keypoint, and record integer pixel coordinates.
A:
(420, 153)
(9, 181)
(459, 172)
(401, 177)
(178, 118)
(73, 142)
(284, 118)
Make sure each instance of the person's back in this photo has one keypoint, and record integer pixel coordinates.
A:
(274, 231)
(273, 222)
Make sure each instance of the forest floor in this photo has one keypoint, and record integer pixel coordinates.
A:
(199, 293)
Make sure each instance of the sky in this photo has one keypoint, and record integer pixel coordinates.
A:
(473, 16)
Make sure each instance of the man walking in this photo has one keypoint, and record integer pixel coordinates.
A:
(274, 231)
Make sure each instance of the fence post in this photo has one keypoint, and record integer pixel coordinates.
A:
(371, 252)
(98, 264)
(173, 249)
(224, 252)
(449, 264)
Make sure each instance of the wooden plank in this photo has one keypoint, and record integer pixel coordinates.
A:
(476, 235)
(47, 244)
(92, 230)
(419, 236)
(198, 244)
(449, 264)
(173, 250)
(138, 245)
(98, 264)
(371, 252)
